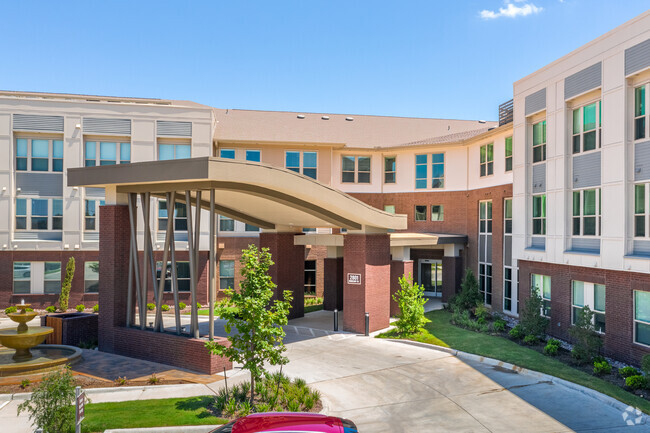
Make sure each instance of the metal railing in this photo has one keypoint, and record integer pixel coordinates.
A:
(505, 113)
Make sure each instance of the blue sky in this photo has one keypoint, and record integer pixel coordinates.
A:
(435, 58)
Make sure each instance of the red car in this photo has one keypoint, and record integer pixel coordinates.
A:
(288, 422)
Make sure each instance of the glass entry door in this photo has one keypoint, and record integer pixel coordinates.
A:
(430, 276)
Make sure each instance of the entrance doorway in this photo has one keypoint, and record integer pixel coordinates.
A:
(430, 276)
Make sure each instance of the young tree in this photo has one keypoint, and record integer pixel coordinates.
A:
(469, 296)
(411, 302)
(258, 321)
(64, 297)
(531, 319)
(586, 343)
(51, 406)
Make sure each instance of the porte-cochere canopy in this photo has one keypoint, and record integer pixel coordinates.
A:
(258, 194)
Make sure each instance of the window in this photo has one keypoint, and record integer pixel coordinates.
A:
(227, 153)
(302, 162)
(226, 274)
(586, 212)
(390, 208)
(539, 141)
(389, 169)
(52, 279)
(508, 153)
(39, 214)
(487, 159)
(641, 191)
(22, 277)
(542, 285)
(253, 155)
(226, 224)
(91, 277)
(589, 295)
(438, 170)
(641, 317)
(420, 213)
(180, 216)
(91, 214)
(507, 256)
(251, 228)
(355, 169)
(310, 277)
(437, 212)
(539, 214)
(182, 276)
(37, 277)
(640, 116)
(174, 151)
(420, 171)
(485, 251)
(586, 133)
(109, 153)
(39, 154)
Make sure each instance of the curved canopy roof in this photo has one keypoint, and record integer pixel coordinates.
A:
(258, 194)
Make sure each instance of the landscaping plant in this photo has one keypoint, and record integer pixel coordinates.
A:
(531, 319)
(482, 314)
(24, 383)
(410, 301)
(257, 319)
(80, 308)
(645, 364)
(517, 332)
(626, 372)
(586, 342)
(164, 307)
(151, 306)
(531, 339)
(51, 405)
(64, 297)
(96, 308)
(602, 367)
(499, 325)
(469, 296)
(552, 347)
(636, 382)
(51, 309)
(181, 305)
(11, 309)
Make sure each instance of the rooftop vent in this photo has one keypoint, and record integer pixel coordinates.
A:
(349, 119)
(300, 116)
(325, 117)
(481, 121)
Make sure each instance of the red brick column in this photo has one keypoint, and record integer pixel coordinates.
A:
(369, 256)
(397, 269)
(288, 272)
(114, 239)
(333, 284)
(452, 276)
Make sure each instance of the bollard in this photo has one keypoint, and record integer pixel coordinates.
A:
(336, 320)
(367, 324)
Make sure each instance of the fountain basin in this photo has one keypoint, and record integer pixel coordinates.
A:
(45, 357)
(22, 319)
(21, 342)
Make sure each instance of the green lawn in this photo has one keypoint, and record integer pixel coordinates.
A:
(311, 308)
(441, 332)
(149, 413)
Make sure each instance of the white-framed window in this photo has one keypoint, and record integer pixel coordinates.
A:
(437, 212)
(542, 285)
(355, 169)
(642, 317)
(39, 214)
(106, 153)
(509, 300)
(180, 216)
(508, 153)
(539, 214)
(182, 275)
(390, 208)
(226, 274)
(485, 251)
(587, 122)
(226, 224)
(37, 277)
(91, 277)
(437, 171)
(590, 295)
(91, 214)
(253, 155)
(22, 277)
(586, 212)
(641, 211)
(39, 154)
(227, 153)
(389, 169)
(420, 213)
(421, 171)
(167, 151)
(302, 162)
(487, 159)
(539, 141)
(310, 277)
(641, 122)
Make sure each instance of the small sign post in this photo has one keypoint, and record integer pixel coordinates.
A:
(80, 413)
(354, 278)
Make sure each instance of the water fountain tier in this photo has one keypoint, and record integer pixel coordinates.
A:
(23, 338)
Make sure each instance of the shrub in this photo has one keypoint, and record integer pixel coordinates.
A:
(636, 382)
(153, 379)
(469, 296)
(626, 372)
(463, 319)
(587, 343)
(96, 308)
(532, 321)
(198, 306)
(24, 383)
(151, 306)
(51, 405)
(531, 339)
(602, 367)
(181, 305)
(164, 307)
(551, 349)
(517, 332)
(29, 309)
(80, 307)
(64, 297)
(120, 381)
(499, 325)
(645, 364)
(411, 302)
(51, 309)
(10, 310)
(482, 314)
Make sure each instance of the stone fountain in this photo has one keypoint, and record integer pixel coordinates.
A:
(27, 339)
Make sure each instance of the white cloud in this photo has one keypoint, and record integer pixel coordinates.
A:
(512, 11)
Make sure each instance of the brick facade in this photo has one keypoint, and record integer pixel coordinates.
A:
(397, 269)
(333, 283)
(619, 303)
